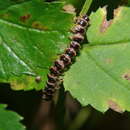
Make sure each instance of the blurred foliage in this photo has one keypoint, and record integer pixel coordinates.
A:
(9, 120)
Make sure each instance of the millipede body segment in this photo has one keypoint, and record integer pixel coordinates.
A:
(66, 58)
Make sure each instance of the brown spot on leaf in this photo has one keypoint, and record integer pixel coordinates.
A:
(126, 75)
(105, 24)
(38, 25)
(114, 106)
(25, 17)
(69, 8)
(108, 61)
(5, 16)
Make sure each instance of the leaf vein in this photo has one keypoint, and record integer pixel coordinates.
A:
(18, 58)
(111, 76)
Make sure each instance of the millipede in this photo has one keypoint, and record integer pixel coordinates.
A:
(65, 59)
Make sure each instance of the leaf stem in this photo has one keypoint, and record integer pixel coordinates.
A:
(86, 7)
(83, 116)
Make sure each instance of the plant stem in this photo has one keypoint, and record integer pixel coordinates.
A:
(86, 7)
(83, 116)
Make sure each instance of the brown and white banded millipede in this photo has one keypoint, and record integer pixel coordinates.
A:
(65, 59)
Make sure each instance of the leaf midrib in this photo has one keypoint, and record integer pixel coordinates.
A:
(14, 53)
(108, 43)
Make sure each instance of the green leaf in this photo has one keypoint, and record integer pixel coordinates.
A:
(102, 31)
(101, 74)
(9, 120)
(7, 3)
(32, 34)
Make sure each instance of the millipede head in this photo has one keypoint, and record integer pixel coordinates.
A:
(77, 37)
(66, 59)
(71, 52)
(54, 71)
(59, 64)
(78, 29)
(82, 22)
(75, 45)
(86, 18)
